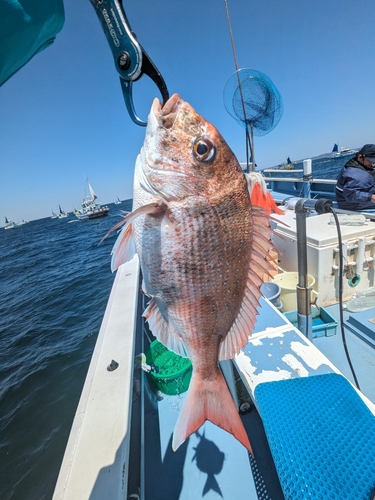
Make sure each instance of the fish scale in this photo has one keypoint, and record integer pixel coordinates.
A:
(200, 269)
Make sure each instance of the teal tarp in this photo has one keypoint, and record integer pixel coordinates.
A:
(26, 28)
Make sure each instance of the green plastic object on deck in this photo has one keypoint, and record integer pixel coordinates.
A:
(26, 28)
(174, 371)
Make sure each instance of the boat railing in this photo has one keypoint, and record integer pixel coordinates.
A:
(283, 170)
(286, 183)
(300, 179)
(96, 459)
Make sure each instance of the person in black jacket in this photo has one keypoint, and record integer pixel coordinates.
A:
(355, 188)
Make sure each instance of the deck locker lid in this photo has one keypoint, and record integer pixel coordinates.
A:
(319, 231)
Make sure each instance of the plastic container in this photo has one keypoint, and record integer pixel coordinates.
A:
(323, 324)
(173, 372)
(288, 283)
(271, 291)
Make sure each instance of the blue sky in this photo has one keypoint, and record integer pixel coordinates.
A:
(62, 116)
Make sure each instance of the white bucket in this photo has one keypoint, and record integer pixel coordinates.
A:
(288, 283)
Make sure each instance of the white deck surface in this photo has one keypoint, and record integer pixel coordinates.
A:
(282, 352)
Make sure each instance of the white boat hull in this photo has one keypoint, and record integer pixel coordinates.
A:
(92, 214)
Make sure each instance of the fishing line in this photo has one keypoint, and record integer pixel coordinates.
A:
(249, 142)
(341, 274)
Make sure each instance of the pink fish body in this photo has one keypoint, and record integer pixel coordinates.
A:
(202, 249)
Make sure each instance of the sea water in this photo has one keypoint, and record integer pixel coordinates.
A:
(55, 281)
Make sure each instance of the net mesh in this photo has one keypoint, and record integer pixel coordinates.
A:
(252, 99)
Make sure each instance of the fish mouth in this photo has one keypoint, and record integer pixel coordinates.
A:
(167, 114)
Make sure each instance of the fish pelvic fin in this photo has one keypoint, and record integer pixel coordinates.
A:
(162, 329)
(124, 248)
(209, 400)
(260, 265)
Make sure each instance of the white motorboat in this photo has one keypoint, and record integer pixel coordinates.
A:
(91, 209)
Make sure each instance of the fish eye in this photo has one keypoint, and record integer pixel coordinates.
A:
(203, 149)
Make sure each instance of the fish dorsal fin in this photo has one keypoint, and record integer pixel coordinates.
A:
(238, 335)
(162, 329)
(259, 194)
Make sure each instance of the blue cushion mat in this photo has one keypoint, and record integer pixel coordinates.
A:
(322, 437)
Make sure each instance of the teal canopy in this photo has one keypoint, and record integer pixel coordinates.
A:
(26, 28)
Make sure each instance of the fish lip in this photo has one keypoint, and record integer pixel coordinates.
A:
(166, 115)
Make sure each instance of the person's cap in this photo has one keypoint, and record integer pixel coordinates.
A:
(368, 150)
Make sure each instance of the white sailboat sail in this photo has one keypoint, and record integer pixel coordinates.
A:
(92, 192)
(91, 209)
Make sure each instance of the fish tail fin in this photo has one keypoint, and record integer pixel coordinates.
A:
(211, 484)
(209, 400)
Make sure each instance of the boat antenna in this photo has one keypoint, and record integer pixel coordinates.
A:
(249, 136)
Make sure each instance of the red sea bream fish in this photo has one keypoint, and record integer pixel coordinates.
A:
(202, 248)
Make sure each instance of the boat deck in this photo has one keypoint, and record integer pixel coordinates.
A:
(120, 443)
(360, 351)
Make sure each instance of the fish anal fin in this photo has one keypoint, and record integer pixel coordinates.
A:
(162, 329)
(209, 400)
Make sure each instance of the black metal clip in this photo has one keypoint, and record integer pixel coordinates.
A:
(131, 60)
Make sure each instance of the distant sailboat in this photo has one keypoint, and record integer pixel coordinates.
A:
(343, 151)
(90, 208)
(9, 224)
(62, 214)
(53, 216)
(288, 165)
(118, 201)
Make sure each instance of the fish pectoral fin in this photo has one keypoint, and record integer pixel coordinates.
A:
(124, 248)
(209, 400)
(162, 329)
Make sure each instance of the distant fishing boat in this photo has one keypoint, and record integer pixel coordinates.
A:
(9, 224)
(342, 151)
(288, 165)
(62, 214)
(91, 209)
(118, 201)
